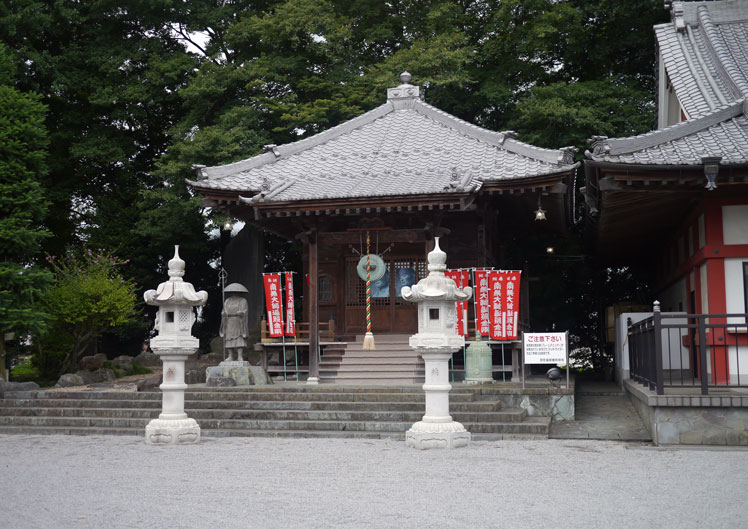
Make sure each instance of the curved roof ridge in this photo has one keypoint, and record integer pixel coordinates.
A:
(724, 63)
(288, 149)
(504, 139)
(673, 50)
(613, 146)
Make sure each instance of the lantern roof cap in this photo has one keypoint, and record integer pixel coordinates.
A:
(436, 286)
(176, 291)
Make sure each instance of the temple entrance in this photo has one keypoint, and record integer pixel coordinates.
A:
(390, 313)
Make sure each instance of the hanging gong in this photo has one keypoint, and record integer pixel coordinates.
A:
(376, 267)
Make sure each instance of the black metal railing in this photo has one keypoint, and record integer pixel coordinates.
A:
(675, 350)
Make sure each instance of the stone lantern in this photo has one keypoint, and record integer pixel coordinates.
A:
(436, 340)
(174, 343)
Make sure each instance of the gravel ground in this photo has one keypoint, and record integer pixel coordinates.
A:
(56, 482)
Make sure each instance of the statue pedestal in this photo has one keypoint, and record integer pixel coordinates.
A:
(243, 373)
(173, 426)
(436, 429)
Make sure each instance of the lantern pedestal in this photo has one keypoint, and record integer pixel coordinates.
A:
(173, 426)
(436, 429)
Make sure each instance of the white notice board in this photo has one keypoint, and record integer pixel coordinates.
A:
(545, 347)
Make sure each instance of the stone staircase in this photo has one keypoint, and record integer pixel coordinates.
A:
(351, 412)
(392, 362)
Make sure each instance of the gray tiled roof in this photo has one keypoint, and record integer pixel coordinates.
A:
(723, 132)
(404, 147)
(705, 52)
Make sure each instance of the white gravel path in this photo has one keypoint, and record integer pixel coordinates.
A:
(59, 482)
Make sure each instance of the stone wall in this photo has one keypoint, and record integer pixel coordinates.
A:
(556, 403)
(691, 419)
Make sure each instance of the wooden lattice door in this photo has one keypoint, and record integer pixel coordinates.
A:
(390, 313)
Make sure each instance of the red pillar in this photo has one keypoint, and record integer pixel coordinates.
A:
(715, 273)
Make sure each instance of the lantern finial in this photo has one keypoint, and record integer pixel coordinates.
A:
(176, 266)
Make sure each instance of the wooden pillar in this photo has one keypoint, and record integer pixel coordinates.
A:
(313, 310)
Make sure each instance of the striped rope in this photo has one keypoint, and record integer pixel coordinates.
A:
(368, 285)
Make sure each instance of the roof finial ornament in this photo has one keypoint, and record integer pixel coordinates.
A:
(677, 16)
(405, 91)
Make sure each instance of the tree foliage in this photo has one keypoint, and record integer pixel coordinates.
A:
(139, 92)
(88, 296)
(22, 208)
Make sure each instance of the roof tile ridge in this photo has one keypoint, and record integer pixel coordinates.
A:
(338, 130)
(460, 125)
(504, 140)
(687, 47)
(603, 146)
(673, 52)
(723, 63)
(562, 156)
(281, 151)
(704, 71)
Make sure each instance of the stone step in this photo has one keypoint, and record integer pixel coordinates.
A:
(382, 360)
(295, 411)
(472, 406)
(275, 415)
(532, 425)
(138, 432)
(336, 395)
(405, 369)
(389, 351)
(384, 377)
(384, 339)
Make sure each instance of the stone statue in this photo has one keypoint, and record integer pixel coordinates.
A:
(234, 324)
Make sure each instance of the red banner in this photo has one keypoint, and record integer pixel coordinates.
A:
(483, 304)
(457, 277)
(273, 304)
(511, 316)
(462, 306)
(504, 298)
(290, 315)
(496, 299)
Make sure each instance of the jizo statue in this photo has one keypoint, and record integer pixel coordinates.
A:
(234, 323)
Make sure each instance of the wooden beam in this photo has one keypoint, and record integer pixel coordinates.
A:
(385, 236)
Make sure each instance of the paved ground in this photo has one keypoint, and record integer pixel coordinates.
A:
(604, 412)
(119, 482)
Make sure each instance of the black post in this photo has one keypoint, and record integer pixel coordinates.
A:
(702, 357)
(657, 319)
(631, 347)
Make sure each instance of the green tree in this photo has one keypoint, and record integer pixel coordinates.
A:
(131, 110)
(110, 73)
(563, 114)
(88, 296)
(23, 206)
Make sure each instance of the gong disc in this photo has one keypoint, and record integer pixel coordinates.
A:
(376, 267)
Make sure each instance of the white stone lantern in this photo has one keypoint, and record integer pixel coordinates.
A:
(436, 340)
(174, 343)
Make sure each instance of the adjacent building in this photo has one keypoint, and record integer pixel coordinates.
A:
(676, 199)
